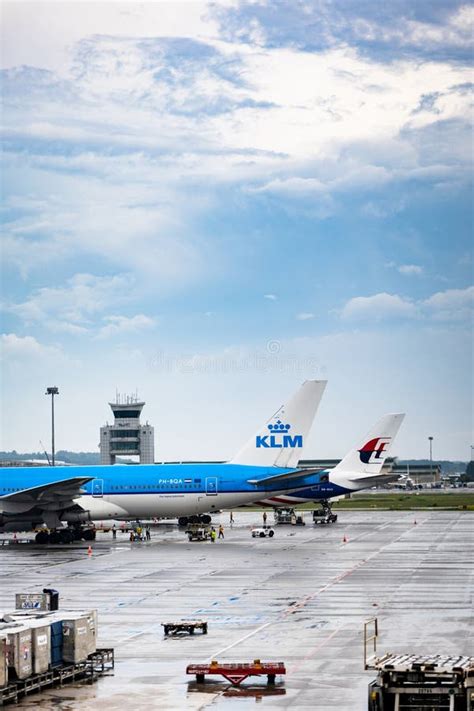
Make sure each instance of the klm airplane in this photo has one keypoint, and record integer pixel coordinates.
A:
(64, 499)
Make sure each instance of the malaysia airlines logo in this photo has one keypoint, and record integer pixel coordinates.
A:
(279, 437)
(374, 450)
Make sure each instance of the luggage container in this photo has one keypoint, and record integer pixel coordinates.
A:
(56, 643)
(19, 650)
(78, 638)
(93, 627)
(40, 625)
(41, 645)
(3, 662)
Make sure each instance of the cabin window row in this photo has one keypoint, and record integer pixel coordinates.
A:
(155, 486)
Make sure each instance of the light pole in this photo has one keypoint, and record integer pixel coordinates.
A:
(431, 458)
(52, 391)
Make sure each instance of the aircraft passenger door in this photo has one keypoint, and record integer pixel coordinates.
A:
(98, 488)
(211, 486)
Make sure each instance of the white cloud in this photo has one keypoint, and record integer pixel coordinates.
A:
(379, 307)
(117, 325)
(65, 327)
(131, 227)
(410, 269)
(146, 127)
(71, 308)
(270, 297)
(58, 26)
(18, 348)
(451, 305)
(304, 316)
(292, 187)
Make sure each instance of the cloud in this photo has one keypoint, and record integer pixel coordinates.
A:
(292, 186)
(304, 316)
(128, 227)
(18, 348)
(72, 308)
(410, 269)
(451, 305)
(378, 307)
(270, 297)
(123, 157)
(59, 27)
(118, 325)
(382, 32)
(405, 269)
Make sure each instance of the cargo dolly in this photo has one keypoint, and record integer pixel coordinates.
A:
(423, 682)
(237, 672)
(188, 626)
(96, 664)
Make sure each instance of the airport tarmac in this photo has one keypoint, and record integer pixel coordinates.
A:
(300, 597)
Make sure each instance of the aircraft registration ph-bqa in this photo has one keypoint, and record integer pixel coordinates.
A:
(264, 469)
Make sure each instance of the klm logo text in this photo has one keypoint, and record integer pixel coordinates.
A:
(279, 437)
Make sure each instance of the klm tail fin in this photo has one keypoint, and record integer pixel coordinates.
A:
(280, 441)
(367, 459)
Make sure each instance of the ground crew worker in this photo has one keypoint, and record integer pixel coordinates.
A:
(221, 531)
(132, 536)
(139, 532)
(114, 532)
(213, 535)
(264, 517)
(147, 533)
(231, 518)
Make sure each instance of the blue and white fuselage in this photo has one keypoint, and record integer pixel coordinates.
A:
(266, 468)
(161, 490)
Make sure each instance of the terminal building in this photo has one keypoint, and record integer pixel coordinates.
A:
(127, 437)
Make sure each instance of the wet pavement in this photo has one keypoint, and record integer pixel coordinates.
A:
(300, 597)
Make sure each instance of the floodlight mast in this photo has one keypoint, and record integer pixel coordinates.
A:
(431, 457)
(52, 391)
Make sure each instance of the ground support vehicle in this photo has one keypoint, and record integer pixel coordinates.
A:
(283, 516)
(187, 626)
(237, 671)
(198, 532)
(324, 514)
(409, 682)
(422, 682)
(263, 531)
(289, 516)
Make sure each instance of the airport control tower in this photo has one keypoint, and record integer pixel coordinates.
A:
(127, 437)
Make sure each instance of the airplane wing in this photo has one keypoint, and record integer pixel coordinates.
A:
(52, 496)
(286, 476)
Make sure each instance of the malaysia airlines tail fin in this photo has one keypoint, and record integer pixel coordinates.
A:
(367, 460)
(280, 442)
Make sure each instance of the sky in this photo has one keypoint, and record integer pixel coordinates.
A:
(208, 203)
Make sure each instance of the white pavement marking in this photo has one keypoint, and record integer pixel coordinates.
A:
(304, 601)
